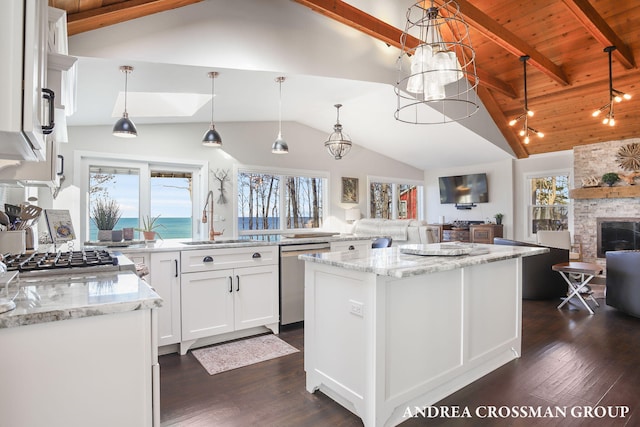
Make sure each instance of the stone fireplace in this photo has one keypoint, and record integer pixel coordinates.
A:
(596, 160)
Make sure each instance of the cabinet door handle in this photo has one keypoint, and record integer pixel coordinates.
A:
(61, 157)
(50, 96)
(176, 261)
(208, 258)
(230, 284)
(256, 255)
(351, 247)
(237, 283)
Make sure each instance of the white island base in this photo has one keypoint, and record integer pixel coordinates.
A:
(382, 346)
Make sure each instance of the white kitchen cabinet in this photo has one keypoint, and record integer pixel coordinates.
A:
(27, 106)
(37, 174)
(164, 277)
(350, 245)
(228, 290)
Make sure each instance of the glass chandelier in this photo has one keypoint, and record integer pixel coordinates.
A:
(441, 71)
(339, 143)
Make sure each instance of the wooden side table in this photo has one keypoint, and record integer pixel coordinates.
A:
(587, 271)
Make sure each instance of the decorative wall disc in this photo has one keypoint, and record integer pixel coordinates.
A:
(629, 157)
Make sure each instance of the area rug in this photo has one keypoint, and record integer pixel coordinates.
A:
(236, 354)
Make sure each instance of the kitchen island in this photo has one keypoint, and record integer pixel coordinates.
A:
(388, 333)
(79, 349)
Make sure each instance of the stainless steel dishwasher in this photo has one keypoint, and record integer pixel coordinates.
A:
(292, 280)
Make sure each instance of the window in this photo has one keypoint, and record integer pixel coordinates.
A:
(394, 200)
(142, 188)
(274, 202)
(548, 203)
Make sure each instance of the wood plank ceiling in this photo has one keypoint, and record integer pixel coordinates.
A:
(567, 75)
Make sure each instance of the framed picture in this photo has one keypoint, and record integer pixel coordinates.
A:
(349, 190)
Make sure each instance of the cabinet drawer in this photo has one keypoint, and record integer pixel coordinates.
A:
(350, 245)
(215, 259)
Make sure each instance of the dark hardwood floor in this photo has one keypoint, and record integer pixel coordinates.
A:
(569, 359)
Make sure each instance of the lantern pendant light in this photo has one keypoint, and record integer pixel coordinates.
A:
(280, 145)
(212, 138)
(524, 132)
(124, 127)
(338, 144)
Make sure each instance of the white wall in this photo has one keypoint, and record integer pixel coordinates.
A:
(247, 144)
(501, 189)
(540, 164)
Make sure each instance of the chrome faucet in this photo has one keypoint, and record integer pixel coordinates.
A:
(212, 233)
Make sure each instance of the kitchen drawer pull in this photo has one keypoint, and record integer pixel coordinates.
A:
(176, 261)
(208, 258)
(230, 284)
(237, 283)
(256, 255)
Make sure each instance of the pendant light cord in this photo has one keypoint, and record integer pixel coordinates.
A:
(524, 66)
(280, 79)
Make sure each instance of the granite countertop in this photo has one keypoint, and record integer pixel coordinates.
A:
(392, 262)
(184, 244)
(48, 299)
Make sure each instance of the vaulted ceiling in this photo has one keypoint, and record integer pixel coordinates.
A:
(567, 75)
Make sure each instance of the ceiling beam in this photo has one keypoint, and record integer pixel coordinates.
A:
(355, 18)
(510, 42)
(601, 31)
(119, 12)
(502, 123)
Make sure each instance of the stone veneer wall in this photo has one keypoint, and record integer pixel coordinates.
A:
(598, 159)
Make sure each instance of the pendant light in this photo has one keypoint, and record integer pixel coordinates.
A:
(339, 143)
(280, 145)
(212, 138)
(124, 127)
(436, 42)
(524, 132)
(614, 95)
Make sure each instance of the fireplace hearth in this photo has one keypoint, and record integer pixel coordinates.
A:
(616, 234)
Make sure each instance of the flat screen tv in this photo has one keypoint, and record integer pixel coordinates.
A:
(464, 189)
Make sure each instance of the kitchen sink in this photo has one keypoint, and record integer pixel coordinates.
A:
(216, 242)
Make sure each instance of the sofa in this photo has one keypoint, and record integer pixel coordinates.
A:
(402, 231)
(623, 281)
(539, 281)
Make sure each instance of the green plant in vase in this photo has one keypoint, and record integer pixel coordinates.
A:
(610, 178)
(498, 218)
(105, 214)
(150, 226)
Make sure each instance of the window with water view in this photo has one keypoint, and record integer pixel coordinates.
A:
(168, 194)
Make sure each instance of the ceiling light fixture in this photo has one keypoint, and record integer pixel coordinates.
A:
(212, 138)
(124, 127)
(339, 143)
(614, 95)
(524, 132)
(439, 65)
(280, 145)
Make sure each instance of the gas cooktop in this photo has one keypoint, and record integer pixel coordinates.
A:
(49, 261)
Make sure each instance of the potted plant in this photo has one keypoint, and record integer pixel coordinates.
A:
(105, 215)
(610, 178)
(498, 218)
(149, 227)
